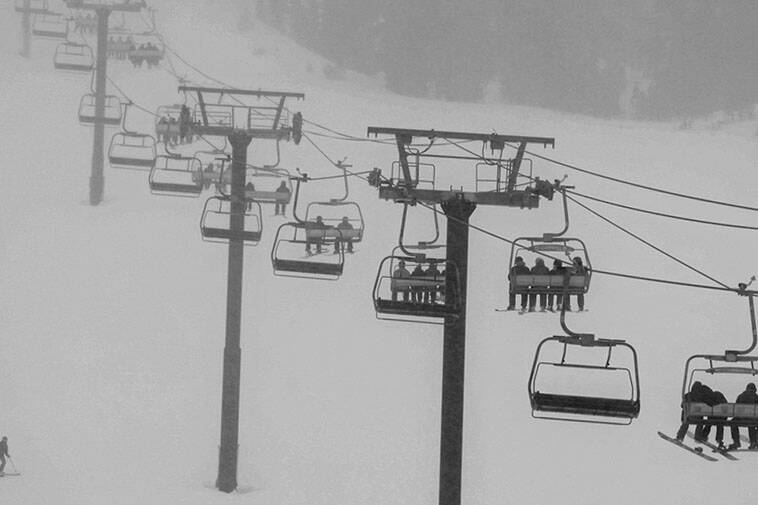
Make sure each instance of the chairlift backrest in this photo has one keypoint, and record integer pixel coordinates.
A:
(111, 113)
(73, 57)
(132, 151)
(215, 222)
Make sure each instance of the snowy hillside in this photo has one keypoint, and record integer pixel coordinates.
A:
(112, 317)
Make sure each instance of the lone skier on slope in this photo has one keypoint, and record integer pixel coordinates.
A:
(3, 454)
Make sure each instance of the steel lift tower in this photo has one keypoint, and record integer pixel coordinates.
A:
(458, 207)
(240, 124)
(103, 11)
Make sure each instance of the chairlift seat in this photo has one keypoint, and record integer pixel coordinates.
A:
(175, 175)
(73, 57)
(308, 267)
(269, 196)
(132, 150)
(214, 224)
(111, 111)
(287, 251)
(50, 25)
(585, 405)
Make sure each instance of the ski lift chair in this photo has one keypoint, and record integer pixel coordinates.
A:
(289, 255)
(334, 212)
(215, 222)
(131, 150)
(176, 176)
(112, 111)
(265, 183)
(593, 407)
(73, 57)
(50, 25)
(738, 365)
(35, 6)
(547, 247)
(728, 367)
(213, 162)
(400, 295)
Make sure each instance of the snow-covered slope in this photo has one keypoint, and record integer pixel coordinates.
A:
(112, 323)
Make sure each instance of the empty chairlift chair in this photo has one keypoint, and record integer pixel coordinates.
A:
(131, 150)
(416, 288)
(215, 225)
(586, 386)
(111, 112)
(303, 250)
(50, 25)
(176, 176)
(73, 57)
(134, 151)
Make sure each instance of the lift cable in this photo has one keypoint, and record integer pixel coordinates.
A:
(637, 185)
(670, 256)
(594, 270)
(663, 214)
(628, 207)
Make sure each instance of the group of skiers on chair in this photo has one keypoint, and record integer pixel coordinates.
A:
(172, 131)
(700, 393)
(576, 267)
(318, 239)
(429, 290)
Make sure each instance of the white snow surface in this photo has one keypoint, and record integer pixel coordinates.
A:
(112, 317)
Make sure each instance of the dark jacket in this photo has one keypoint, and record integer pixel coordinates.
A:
(4, 448)
(540, 269)
(519, 269)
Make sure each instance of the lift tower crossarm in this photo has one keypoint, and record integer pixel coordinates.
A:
(405, 191)
(221, 119)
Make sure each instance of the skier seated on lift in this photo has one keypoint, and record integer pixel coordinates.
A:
(185, 121)
(577, 268)
(539, 268)
(400, 273)
(161, 129)
(173, 131)
(519, 268)
(316, 239)
(249, 193)
(418, 288)
(3, 454)
(431, 292)
(277, 206)
(209, 175)
(713, 399)
(748, 396)
(343, 225)
(698, 394)
(558, 269)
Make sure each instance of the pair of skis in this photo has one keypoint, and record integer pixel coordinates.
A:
(698, 451)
